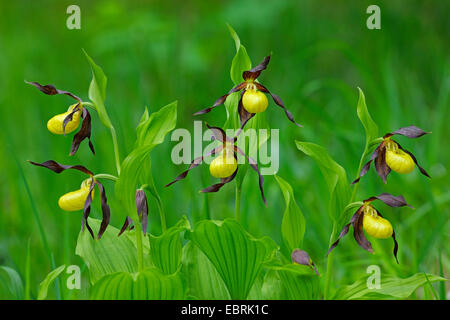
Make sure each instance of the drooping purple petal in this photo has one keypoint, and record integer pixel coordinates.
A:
(366, 167)
(279, 102)
(125, 225)
(223, 181)
(87, 210)
(359, 235)
(422, 170)
(345, 229)
(106, 212)
(390, 200)
(84, 133)
(381, 166)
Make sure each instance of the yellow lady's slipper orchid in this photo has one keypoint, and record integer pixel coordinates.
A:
(75, 200)
(55, 124)
(223, 166)
(376, 226)
(254, 101)
(389, 155)
(369, 219)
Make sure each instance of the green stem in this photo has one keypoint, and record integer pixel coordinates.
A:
(329, 265)
(105, 176)
(116, 149)
(237, 210)
(139, 246)
(355, 186)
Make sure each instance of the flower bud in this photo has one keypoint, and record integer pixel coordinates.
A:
(223, 166)
(74, 201)
(376, 226)
(254, 101)
(55, 124)
(397, 159)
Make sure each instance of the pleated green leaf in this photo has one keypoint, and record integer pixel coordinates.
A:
(166, 249)
(298, 282)
(293, 223)
(203, 280)
(149, 284)
(236, 255)
(390, 287)
(108, 255)
(43, 287)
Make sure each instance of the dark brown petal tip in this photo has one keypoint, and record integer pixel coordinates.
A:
(359, 235)
(381, 166)
(87, 210)
(302, 257)
(142, 208)
(106, 212)
(222, 99)
(195, 163)
(422, 170)
(58, 168)
(410, 132)
(125, 225)
(391, 200)
(216, 187)
(254, 166)
(395, 246)
(366, 167)
(84, 133)
(279, 102)
(344, 230)
(51, 90)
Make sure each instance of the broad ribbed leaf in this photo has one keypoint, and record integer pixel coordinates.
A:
(335, 177)
(11, 286)
(390, 287)
(43, 287)
(108, 255)
(151, 132)
(97, 91)
(237, 256)
(149, 284)
(203, 280)
(370, 126)
(299, 282)
(293, 223)
(166, 249)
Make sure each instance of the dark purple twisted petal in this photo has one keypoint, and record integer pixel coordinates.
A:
(422, 170)
(106, 212)
(222, 99)
(254, 73)
(195, 163)
(390, 200)
(366, 167)
(345, 229)
(84, 133)
(410, 132)
(359, 235)
(69, 117)
(216, 187)
(125, 225)
(381, 166)
(87, 210)
(279, 102)
(58, 168)
(51, 90)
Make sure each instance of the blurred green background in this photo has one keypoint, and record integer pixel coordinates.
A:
(155, 52)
